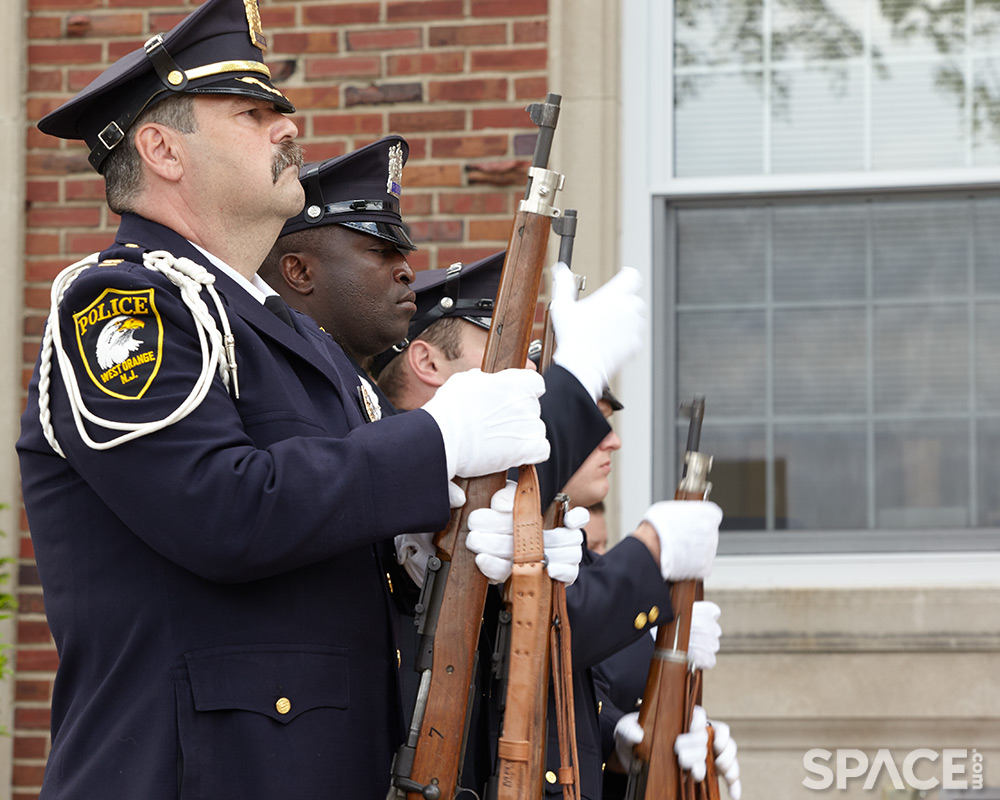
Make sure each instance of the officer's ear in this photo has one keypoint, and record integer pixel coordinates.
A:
(297, 272)
(161, 149)
(426, 362)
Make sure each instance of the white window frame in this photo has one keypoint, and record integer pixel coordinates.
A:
(647, 181)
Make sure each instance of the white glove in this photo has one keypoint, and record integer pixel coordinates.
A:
(491, 537)
(724, 746)
(413, 550)
(595, 336)
(628, 733)
(689, 535)
(564, 546)
(490, 421)
(705, 632)
(692, 747)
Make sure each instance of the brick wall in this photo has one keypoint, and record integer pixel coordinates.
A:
(452, 76)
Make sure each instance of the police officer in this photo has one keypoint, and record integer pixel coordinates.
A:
(615, 599)
(203, 492)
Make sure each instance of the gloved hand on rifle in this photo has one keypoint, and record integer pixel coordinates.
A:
(703, 642)
(595, 336)
(691, 748)
(686, 537)
(491, 537)
(490, 421)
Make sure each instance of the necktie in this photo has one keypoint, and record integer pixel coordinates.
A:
(276, 306)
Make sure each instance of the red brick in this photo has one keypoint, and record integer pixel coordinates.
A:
(27, 774)
(38, 107)
(419, 260)
(404, 121)
(32, 691)
(510, 60)
(121, 49)
(37, 661)
(469, 90)
(462, 35)
(143, 3)
(418, 147)
(346, 124)
(436, 230)
(44, 27)
(44, 270)
(313, 42)
(383, 39)
(424, 63)
(84, 189)
(64, 53)
(41, 244)
(381, 93)
(531, 88)
(327, 14)
(490, 229)
(343, 66)
(509, 8)
(36, 140)
(27, 549)
(474, 203)
(86, 242)
(31, 746)
(272, 17)
(33, 632)
(70, 216)
(536, 30)
(42, 191)
(50, 5)
(424, 9)
(164, 22)
(32, 602)
(45, 80)
(469, 146)
(320, 151)
(24, 795)
(434, 175)
(105, 25)
(313, 97)
(467, 254)
(415, 204)
(512, 117)
(78, 78)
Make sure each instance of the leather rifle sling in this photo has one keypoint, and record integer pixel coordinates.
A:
(521, 745)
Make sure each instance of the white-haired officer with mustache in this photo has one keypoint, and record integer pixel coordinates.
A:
(205, 500)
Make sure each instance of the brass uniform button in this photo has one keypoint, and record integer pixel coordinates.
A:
(174, 77)
(389, 581)
(284, 705)
(399, 659)
(600, 705)
(640, 621)
(550, 776)
(654, 614)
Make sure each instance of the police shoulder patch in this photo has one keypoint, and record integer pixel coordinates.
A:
(120, 337)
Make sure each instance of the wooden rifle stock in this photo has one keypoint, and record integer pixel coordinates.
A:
(672, 689)
(429, 763)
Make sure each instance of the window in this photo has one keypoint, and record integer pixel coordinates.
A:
(849, 352)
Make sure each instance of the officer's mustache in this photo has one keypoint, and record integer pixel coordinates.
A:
(289, 155)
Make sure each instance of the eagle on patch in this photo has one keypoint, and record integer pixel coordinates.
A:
(117, 340)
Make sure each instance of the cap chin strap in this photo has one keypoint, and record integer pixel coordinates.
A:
(218, 351)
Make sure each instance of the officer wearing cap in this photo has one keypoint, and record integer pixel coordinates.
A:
(190, 461)
(616, 598)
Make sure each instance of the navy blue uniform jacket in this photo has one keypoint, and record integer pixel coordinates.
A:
(221, 616)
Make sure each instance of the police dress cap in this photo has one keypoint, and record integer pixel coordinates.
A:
(359, 190)
(217, 49)
(468, 291)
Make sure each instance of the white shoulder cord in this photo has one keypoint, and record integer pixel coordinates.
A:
(190, 278)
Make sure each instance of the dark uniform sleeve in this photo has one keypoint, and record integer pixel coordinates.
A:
(615, 600)
(280, 476)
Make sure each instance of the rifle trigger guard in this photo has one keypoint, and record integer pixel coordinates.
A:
(544, 185)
